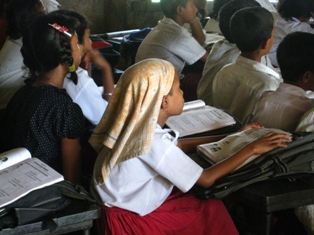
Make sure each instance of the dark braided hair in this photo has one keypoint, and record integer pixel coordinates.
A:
(44, 47)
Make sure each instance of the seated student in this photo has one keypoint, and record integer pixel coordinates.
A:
(292, 16)
(224, 51)
(41, 117)
(170, 41)
(86, 93)
(12, 69)
(237, 87)
(141, 176)
(284, 107)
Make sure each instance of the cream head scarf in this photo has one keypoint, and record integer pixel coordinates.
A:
(128, 124)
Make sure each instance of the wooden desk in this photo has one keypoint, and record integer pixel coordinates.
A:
(260, 201)
(79, 215)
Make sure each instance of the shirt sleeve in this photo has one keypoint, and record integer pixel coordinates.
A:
(187, 48)
(172, 163)
(70, 121)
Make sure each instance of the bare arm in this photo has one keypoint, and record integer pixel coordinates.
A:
(189, 145)
(197, 31)
(107, 78)
(259, 146)
(71, 159)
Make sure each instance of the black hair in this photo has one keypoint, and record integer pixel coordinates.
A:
(227, 11)
(295, 55)
(17, 12)
(169, 7)
(79, 28)
(250, 27)
(217, 5)
(44, 47)
(295, 8)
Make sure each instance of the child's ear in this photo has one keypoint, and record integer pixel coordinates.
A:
(179, 9)
(306, 77)
(164, 102)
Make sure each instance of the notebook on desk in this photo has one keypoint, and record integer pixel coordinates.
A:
(201, 120)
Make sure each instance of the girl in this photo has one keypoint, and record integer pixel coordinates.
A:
(139, 163)
(41, 116)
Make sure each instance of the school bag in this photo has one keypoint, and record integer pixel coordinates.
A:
(297, 160)
(41, 203)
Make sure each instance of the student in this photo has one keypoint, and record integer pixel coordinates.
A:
(292, 16)
(237, 87)
(170, 41)
(86, 93)
(224, 51)
(12, 70)
(141, 176)
(284, 107)
(41, 117)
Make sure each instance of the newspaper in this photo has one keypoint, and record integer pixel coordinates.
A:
(219, 151)
(198, 117)
(23, 176)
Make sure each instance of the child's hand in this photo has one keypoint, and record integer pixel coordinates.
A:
(269, 142)
(252, 125)
(97, 59)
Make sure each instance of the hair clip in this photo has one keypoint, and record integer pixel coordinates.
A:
(61, 29)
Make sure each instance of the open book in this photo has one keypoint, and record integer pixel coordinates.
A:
(198, 117)
(216, 152)
(21, 174)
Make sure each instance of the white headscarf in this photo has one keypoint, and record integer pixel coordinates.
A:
(128, 124)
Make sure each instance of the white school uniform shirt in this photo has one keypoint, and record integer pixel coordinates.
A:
(307, 122)
(282, 28)
(87, 95)
(171, 42)
(283, 108)
(238, 86)
(13, 72)
(222, 53)
(143, 183)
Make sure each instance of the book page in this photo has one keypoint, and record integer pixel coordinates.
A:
(200, 120)
(193, 104)
(24, 177)
(13, 156)
(225, 148)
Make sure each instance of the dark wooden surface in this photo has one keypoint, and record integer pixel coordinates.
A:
(79, 215)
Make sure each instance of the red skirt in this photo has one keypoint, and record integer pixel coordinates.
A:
(180, 214)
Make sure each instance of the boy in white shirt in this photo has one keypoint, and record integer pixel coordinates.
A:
(238, 86)
(292, 16)
(172, 42)
(223, 52)
(284, 107)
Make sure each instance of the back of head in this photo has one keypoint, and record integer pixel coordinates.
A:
(44, 47)
(295, 55)
(227, 12)
(79, 26)
(169, 7)
(295, 8)
(250, 27)
(217, 5)
(17, 13)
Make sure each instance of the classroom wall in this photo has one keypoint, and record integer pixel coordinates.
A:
(114, 15)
